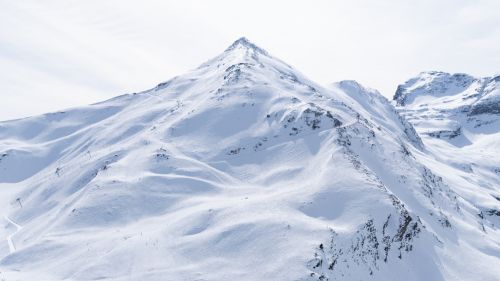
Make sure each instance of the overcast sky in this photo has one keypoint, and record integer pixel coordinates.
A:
(59, 54)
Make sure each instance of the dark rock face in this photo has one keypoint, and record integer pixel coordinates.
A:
(400, 95)
(492, 107)
(373, 244)
(311, 118)
(446, 133)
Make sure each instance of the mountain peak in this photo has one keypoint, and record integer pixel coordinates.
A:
(244, 43)
(242, 40)
(432, 83)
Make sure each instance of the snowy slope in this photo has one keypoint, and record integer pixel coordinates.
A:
(242, 169)
(458, 117)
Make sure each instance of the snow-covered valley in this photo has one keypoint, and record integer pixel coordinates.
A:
(244, 169)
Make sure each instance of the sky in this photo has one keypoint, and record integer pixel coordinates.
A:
(60, 54)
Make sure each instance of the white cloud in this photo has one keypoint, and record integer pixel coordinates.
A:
(56, 54)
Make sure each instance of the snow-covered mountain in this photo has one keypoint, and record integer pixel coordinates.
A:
(244, 169)
(458, 118)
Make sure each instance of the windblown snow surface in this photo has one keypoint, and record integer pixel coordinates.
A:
(244, 169)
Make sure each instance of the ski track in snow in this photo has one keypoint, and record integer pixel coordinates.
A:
(12, 247)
